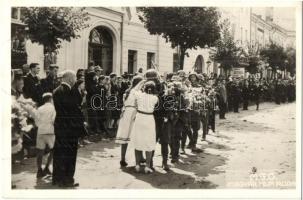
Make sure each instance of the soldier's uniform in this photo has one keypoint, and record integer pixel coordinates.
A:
(195, 118)
(245, 96)
(278, 92)
(284, 92)
(229, 102)
(257, 91)
(164, 125)
(32, 88)
(212, 111)
(180, 125)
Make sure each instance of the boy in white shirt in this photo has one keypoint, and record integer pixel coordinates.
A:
(44, 118)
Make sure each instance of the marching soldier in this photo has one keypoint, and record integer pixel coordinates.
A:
(212, 110)
(235, 94)
(257, 91)
(245, 94)
(195, 115)
(278, 91)
(222, 97)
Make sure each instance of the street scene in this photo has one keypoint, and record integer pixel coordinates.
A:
(227, 161)
(153, 97)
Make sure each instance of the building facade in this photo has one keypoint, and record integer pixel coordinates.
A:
(118, 42)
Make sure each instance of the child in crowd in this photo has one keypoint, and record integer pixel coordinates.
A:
(44, 118)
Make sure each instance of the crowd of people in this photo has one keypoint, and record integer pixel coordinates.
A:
(137, 110)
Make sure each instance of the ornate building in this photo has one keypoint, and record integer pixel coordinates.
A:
(118, 42)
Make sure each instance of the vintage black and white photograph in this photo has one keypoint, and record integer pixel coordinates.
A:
(166, 97)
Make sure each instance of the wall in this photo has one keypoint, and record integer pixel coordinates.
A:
(74, 55)
(136, 37)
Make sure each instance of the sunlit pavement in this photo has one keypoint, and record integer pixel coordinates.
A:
(250, 149)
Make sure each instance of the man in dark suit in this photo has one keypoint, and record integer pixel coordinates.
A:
(235, 93)
(222, 99)
(32, 87)
(50, 83)
(69, 126)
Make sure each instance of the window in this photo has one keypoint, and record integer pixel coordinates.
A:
(18, 40)
(150, 60)
(132, 61)
(100, 49)
(176, 62)
(15, 13)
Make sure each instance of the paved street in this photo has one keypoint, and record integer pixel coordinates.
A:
(252, 149)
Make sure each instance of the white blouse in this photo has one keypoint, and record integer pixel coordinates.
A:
(145, 102)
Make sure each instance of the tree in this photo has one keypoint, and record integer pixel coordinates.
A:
(227, 50)
(275, 56)
(291, 60)
(253, 58)
(49, 26)
(185, 27)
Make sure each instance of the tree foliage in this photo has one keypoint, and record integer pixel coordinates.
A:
(291, 60)
(253, 56)
(49, 26)
(227, 50)
(185, 27)
(274, 55)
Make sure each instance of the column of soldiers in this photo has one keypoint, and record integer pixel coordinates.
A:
(185, 104)
(192, 101)
(254, 90)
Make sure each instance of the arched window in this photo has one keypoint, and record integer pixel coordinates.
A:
(199, 64)
(95, 37)
(101, 48)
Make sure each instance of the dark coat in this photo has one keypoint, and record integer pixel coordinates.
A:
(49, 84)
(69, 121)
(235, 92)
(32, 88)
(102, 102)
(245, 92)
(115, 92)
(69, 127)
(256, 92)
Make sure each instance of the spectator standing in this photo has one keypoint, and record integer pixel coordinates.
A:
(32, 86)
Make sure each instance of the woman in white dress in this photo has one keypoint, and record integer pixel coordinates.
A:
(128, 116)
(143, 136)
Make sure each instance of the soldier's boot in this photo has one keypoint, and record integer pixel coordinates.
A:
(165, 165)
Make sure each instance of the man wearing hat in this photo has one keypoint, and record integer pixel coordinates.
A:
(32, 86)
(51, 82)
(98, 70)
(125, 84)
(114, 90)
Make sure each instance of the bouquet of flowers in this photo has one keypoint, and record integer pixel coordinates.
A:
(19, 121)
